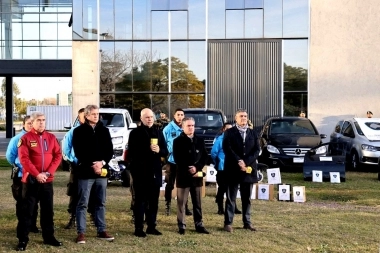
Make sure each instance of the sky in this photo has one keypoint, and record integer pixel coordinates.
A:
(42, 87)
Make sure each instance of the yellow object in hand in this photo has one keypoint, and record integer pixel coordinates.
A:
(249, 170)
(103, 173)
(200, 174)
(154, 141)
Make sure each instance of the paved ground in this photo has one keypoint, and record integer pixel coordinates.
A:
(4, 141)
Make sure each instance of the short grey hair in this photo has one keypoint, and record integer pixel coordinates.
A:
(240, 110)
(35, 115)
(89, 108)
(187, 119)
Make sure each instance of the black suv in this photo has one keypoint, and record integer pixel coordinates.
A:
(284, 141)
(208, 123)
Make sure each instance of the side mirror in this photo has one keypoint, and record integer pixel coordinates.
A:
(133, 125)
(68, 126)
(323, 136)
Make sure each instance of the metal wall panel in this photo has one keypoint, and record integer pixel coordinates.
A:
(57, 116)
(245, 74)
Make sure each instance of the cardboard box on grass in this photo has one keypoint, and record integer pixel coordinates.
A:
(284, 192)
(299, 194)
(335, 177)
(317, 176)
(274, 176)
(265, 191)
(210, 174)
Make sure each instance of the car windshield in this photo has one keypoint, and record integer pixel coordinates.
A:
(206, 120)
(358, 128)
(112, 119)
(292, 126)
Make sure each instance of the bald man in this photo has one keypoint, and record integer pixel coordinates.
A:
(146, 146)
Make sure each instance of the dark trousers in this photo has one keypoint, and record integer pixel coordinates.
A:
(222, 186)
(32, 193)
(182, 196)
(17, 186)
(146, 197)
(171, 173)
(245, 193)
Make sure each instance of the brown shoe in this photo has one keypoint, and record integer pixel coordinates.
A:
(80, 239)
(250, 227)
(105, 236)
(228, 228)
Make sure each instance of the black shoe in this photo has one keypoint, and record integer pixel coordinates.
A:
(220, 211)
(153, 231)
(35, 230)
(188, 212)
(237, 211)
(250, 227)
(181, 231)
(71, 223)
(139, 233)
(167, 208)
(21, 246)
(53, 242)
(202, 230)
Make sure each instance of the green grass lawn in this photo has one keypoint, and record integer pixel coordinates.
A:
(336, 218)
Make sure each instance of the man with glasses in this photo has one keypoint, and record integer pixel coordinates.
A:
(241, 148)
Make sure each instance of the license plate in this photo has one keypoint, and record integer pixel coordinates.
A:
(325, 158)
(298, 160)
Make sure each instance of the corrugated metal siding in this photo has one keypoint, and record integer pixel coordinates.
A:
(57, 116)
(245, 74)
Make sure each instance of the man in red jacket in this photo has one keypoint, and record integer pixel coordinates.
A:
(40, 156)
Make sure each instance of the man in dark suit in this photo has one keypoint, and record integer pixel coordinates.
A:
(241, 148)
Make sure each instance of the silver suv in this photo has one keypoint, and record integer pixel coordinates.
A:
(358, 139)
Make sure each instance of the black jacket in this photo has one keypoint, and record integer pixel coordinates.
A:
(90, 145)
(144, 164)
(189, 152)
(235, 150)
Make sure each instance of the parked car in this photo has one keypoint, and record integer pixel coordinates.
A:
(358, 139)
(284, 142)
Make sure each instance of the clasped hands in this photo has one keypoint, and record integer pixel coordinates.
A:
(42, 177)
(243, 166)
(97, 166)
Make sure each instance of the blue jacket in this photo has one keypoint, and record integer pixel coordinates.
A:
(67, 148)
(217, 153)
(12, 151)
(170, 132)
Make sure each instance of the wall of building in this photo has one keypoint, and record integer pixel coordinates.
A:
(344, 66)
(85, 74)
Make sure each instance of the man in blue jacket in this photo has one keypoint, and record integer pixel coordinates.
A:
(13, 159)
(172, 131)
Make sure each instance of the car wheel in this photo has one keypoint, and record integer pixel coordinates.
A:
(354, 160)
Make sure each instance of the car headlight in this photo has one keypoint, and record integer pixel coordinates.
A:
(272, 149)
(117, 140)
(369, 148)
(321, 150)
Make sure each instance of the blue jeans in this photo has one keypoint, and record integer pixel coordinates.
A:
(84, 189)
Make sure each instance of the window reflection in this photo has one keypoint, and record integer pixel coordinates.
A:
(179, 66)
(159, 66)
(176, 5)
(141, 68)
(178, 24)
(123, 19)
(197, 19)
(253, 23)
(294, 103)
(234, 4)
(296, 18)
(107, 65)
(234, 24)
(178, 101)
(48, 31)
(273, 18)
(295, 55)
(197, 101)
(124, 101)
(107, 100)
(160, 5)
(197, 66)
(77, 16)
(160, 27)
(123, 66)
(160, 103)
(141, 22)
(90, 29)
(216, 19)
(140, 101)
(253, 4)
(106, 21)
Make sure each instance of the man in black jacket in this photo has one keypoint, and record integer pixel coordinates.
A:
(93, 148)
(241, 149)
(190, 155)
(146, 146)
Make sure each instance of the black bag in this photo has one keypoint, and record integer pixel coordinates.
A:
(126, 178)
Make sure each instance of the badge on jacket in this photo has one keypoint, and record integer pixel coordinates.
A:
(33, 144)
(19, 143)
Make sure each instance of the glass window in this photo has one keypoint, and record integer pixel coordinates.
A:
(179, 66)
(178, 101)
(64, 17)
(294, 103)
(252, 4)
(197, 66)
(160, 5)
(30, 17)
(295, 53)
(123, 66)
(107, 66)
(197, 101)
(107, 100)
(234, 4)
(140, 101)
(64, 32)
(112, 119)
(31, 31)
(77, 20)
(124, 101)
(160, 103)
(31, 53)
(48, 31)
(123, 19)
(48, 17)
(197, 19)
(178, 25)
(216, 19)
(65, 52)
(90, 29)
(234, 24)
(159, 66)
(64, 43)
(141, 69)
(160, 27)
(141, 22)
(296, 18)
(254, 23)
(273, 18)
(106, 16)
(48, 52)
(16, 53)
(178, 5)
(16, 31)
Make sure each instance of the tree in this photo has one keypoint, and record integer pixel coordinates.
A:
(295, 78)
